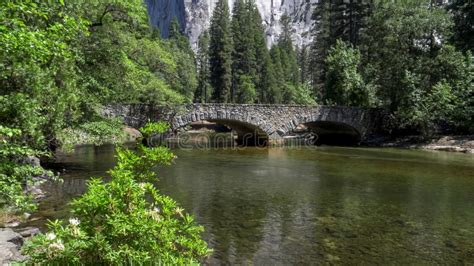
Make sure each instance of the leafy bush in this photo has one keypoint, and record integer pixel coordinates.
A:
(344, 84)
(15, 173)
(125, 220)
(96, 133)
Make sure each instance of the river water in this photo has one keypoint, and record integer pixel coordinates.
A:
(309, 205)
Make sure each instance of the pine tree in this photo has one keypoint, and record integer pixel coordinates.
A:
(174, 29)
(220, 53)
(203, 91)
(275, 54)
(243, 55)
(264, 79)
(288, 60)
(304, 64)
(178, 37)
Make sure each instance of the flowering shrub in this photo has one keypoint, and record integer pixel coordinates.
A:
(125, 220)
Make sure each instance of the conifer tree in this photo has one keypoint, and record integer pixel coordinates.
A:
(288, 61)
(275, 54)
(264, 79)
(220, 53)
(174, 29)
(304, 63)
(176, 35)
(243, 55)
(203, 91)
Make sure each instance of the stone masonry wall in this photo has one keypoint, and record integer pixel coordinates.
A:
(276, 120)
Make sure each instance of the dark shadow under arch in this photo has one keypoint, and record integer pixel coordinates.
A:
(334, 133)
(248, 135)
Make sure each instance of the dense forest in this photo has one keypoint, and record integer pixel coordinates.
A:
(413, 58)
(60, 61)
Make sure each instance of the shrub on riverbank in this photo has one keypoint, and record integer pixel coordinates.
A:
(16, 173)
(124, 220)
(95, 133)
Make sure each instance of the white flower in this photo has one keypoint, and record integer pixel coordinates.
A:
(74, 221)
(57, 245)
(142, 185)
(179, 211)
(50, 236)
(157, 210)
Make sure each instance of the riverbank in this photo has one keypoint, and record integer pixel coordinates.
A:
(463, 143)
(90, 135)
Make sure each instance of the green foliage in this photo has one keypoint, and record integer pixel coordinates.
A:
(288, 87)
(402, 60)
(244, 61)
(302, 95)
(402, 35)
(220, 53)
(154, 128)
(125, 220)
(463, 17)
(38, 90)
(59, 63)
(125, 62)
(204, 90)
(304, 64)
(16, 174)
(344, 84)
(96, 133)
(37, 68)
(426, 108)
(335, 20)
(247, 93)
(413, 63)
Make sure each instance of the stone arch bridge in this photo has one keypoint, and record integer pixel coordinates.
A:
(259, 124)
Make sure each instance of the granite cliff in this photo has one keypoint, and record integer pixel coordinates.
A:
(195, 15)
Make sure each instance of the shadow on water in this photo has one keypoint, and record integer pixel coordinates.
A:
(310, 205)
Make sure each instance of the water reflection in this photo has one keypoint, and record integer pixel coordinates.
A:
(313, 205)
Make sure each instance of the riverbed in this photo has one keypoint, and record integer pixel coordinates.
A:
(308, 205)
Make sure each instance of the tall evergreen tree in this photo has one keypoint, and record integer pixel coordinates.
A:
(220, 53)
(275, 54)
(304, 64)
(174, 29)
(243, 55)
(264, 79)
(288, 60)
(204, 89)
(177, 36)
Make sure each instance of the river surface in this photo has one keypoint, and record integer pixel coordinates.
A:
(309, 205)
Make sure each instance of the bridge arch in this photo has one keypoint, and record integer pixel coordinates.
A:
(251, 130)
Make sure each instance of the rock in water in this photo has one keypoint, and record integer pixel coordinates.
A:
(195, 16)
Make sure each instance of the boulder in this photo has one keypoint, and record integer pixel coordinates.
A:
(10, 244)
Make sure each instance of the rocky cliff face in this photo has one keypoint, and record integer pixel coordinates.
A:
(195, 16)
